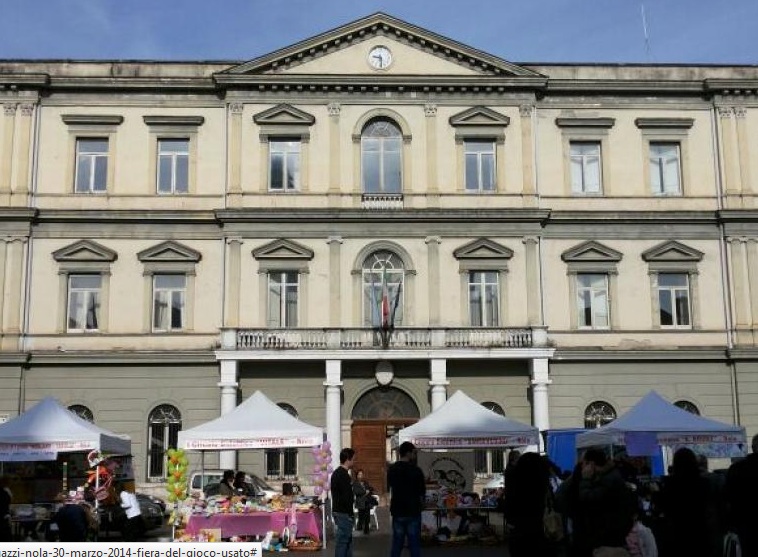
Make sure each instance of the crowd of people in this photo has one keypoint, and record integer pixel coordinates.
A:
(608, 510)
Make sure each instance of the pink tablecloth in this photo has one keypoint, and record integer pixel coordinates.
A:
(256, 524)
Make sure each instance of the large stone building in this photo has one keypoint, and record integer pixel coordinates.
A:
(553, 239)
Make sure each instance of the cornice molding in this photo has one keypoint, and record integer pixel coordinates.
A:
(92, 119)
(637, 354)
(628, 86)
(584, 122)
(190, 121)
(24, 80)
(664, 123)
(174, 357)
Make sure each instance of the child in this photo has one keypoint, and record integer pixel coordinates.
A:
(640, 541)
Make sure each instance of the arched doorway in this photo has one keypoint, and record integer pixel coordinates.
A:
(377, 415)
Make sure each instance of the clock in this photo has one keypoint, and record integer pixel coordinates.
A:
(380, 57)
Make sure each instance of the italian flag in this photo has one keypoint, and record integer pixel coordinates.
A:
(385, 301)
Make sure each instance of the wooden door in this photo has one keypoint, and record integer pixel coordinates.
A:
(369, 440)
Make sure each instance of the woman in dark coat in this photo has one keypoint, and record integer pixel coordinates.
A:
(684, 508)
(363, 501)
(525, 498)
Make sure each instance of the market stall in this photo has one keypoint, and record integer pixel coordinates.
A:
(654, 422)
(48, 449)
(461, 424)
(257, 423)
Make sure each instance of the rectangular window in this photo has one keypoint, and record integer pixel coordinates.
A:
(281, 464)
(665, 169)
(592, 301)
(488, 462)
(381, 158)
(480, 165)
(91, 165)
(169, 297)
(282, 299)
(585, 167)
(674, 300)
(173, 166)
(284, 165)
(83, 302)
(484, 298)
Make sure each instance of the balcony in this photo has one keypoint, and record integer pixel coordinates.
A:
(410, 338)
(382, 201)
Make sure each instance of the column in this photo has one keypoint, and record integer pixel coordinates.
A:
(232, 313)
(528, 188)
(729, 150)
(15, 267)
(335, 282)
(743, 149)
(433, 256)
(740, 287)
(541, 409)
(333, 386)
(24, 148)
(235, 154)
(335, 178)
(533, 292)
(6, 148)
(228, 371)
(438, 383)
(430, 111)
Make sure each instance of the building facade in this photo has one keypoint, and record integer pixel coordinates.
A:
(366, 221)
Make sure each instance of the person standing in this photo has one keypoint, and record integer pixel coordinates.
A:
(342, 504)
(408, 488)
(226, 487)
(363, 501)
(5, 511)
(133, 522)
(71, 520)
(742, 498)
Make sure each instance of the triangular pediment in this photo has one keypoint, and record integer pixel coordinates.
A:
(169, 252)
(672, 251)
(483, 249)
(479, 116)
(591, 251)
(415, 50)
(284, 114)
(85, 250)
(283, 249)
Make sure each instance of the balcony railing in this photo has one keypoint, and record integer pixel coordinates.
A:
(367, 338)
(382, 201)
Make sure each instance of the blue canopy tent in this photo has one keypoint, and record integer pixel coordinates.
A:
(654, 422)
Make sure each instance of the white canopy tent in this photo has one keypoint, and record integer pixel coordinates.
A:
(654, 422)
(49, 428)
(257, 423)
(463, 423)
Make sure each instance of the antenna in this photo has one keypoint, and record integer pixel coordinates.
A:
(644, 31)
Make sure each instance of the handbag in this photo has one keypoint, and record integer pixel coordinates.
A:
(552, 521)
(732, 546)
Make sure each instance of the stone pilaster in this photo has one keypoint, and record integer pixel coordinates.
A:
(433, 257)
(335, 282)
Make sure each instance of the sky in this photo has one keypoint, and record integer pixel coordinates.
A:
(603, 31)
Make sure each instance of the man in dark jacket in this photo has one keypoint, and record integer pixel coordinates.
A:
(605, 506)
(406, 482)
(342, 504)
(72, 522)
(742, 497)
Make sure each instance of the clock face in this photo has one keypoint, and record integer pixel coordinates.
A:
(380, 57)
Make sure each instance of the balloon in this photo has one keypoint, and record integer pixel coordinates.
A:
(318, 490)
(326, 445)
(329, 469)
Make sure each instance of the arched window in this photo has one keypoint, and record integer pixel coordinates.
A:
(381, 157)
(598, 414)
(83, 412)
(383, 275)
(163, 426)
(490, 461)
(281, 464)
(688, 406)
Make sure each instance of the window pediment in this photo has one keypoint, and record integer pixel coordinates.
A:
(479, 116)
(85, 251)
(188, 121)
(584, 122)
(672, 251)
(169, 252)
(591, 252)
(483, 249)
(284, 115)
(92, 119)
(283, 250)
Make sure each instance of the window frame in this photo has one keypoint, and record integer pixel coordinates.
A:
(672, 290)
(82, 412)
(171, 291)
(92, 157)
(88, 293)
(483, 285)
(660, 164)
(666, 130)
(491, 457)
(580, 129)
(582, 189)
(286, 286)
(283, 455)
(91, 126)
(375, 264)
(385, 154)
(173, 127)
(581, 311)
(478, 155)
(594, 408)
(174, 157)
(171, 416)
(272, 142)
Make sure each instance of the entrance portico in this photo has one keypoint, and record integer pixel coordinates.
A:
(438, 347)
